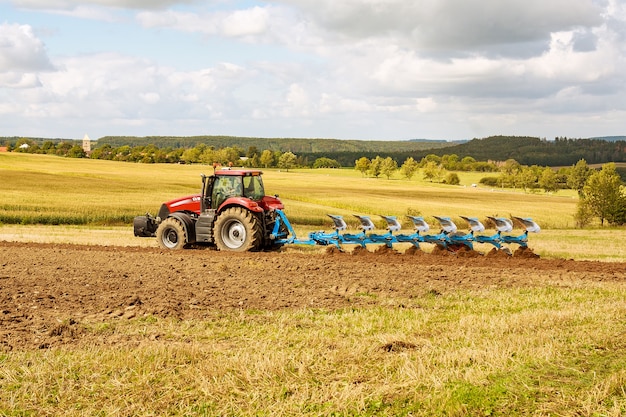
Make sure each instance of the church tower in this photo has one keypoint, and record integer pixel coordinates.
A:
(87, 144)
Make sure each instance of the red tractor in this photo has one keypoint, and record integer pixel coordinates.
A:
(232, 212)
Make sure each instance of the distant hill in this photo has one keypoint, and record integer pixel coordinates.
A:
(450, 142)
(536, 151)
(295, 145)
(610, 138)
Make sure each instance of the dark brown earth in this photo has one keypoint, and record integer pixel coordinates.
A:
(48, 292)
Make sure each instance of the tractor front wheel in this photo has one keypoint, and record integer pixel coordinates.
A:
(171, 234)
(238, 230)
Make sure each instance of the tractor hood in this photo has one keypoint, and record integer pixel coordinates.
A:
(189, 203)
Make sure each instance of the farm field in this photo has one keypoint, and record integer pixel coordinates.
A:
(105, 330)
(96, 322)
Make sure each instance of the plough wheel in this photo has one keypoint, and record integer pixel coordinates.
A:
(238, 230)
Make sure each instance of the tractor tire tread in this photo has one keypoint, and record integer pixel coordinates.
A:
(254, 230)
(172, 223)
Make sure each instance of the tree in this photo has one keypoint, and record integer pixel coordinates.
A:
(388, 167)
(430, 158)
(603, 197)
(510, 170)
(409, 168)
(287, 161)
(452, 179)
(123, 153)
(450, 162)
(227, 156)
(578, 176)
(526, 178)
(362, 165)
(511, 167)
(189, 156)
(583, 214)
(375, 167)
(467, 163)
(103, 152)
(76, 152)
(253, 162)
(547, 180)
(252, 152)
(433, 171)
(267, 158)
(324, 162)
(48, 147)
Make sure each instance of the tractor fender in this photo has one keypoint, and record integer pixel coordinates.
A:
(272, 202)
(188, 223)
(246, 203)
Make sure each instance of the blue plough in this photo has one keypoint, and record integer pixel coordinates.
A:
(448, 238)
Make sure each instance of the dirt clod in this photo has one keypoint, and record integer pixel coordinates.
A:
(497, 253)
(398, 346)
(525, 252)
(414, 251)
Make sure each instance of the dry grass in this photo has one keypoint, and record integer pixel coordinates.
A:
(544, 351)
(41, 189)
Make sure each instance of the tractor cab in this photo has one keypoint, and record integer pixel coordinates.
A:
(225, 184)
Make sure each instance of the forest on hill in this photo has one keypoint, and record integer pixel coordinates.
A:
(294, 145)
(535, 151)
(523, 149)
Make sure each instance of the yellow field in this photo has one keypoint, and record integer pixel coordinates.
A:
(106, 195)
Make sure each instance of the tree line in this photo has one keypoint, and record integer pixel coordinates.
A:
(302, 146)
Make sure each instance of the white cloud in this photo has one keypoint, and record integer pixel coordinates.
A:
(22, 57)
(450, 24)
(21, 50)
(298, 101)
(248, 23)
(150, 97)
(71, 4)
(252, 21)
(19, 80)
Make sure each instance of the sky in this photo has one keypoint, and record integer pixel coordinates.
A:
(345, 69)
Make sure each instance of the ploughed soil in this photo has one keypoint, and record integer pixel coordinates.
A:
(49, 293)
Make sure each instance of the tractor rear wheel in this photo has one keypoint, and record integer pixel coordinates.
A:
(171, 234)
(238, 230)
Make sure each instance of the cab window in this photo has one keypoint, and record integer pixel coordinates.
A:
(253, 187)
(225, 187)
